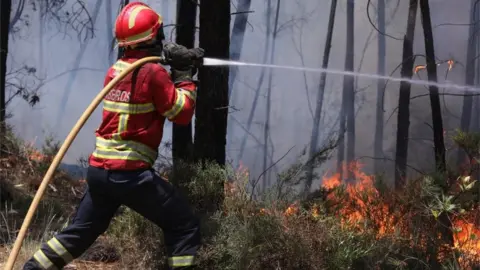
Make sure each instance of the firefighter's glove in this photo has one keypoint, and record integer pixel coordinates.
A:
(181, 60)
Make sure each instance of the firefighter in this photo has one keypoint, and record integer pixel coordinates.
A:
(120, 168)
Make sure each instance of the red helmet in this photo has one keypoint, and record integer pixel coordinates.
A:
(137, 23)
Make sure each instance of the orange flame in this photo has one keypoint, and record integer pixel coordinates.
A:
(37, 156)
(363, 205)
(450, 63)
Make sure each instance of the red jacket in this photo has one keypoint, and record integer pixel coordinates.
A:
(133, 117)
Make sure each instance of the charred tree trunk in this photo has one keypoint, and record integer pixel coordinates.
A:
(212, 101)
(469, 80)
(437, 120)
(182, 144)
(122, 5)
(165, 10)
(320, 95)
(350, 85)
(348, 96)
(445, 225)
(236, 45)
(380, 109)
(109, 34)
(5, 8)
(266, 130)
(403, 120)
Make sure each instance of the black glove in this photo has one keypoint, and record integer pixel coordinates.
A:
(181, 60)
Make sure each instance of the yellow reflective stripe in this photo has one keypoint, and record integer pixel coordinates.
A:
(133, 15)
(121, 155)
(122, 126)
(122, 123)
(120, 107)
(120, 65)
(56, 246)
(120, 145)
(43, 260)
(139, 36)
(191, 94)
(178, 106)
(180, 261)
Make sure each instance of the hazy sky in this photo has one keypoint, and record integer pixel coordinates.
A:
(304, 24)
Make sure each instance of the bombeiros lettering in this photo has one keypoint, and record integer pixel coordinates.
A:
(118, 96)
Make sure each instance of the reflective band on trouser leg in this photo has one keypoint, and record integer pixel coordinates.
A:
(181, 261)
(43, 260)
(178, 106)
(121, 155)
(61, 251)
(121, 145)
(127, 108)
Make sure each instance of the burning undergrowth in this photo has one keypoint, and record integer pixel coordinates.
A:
(364, 225)
(438, 223)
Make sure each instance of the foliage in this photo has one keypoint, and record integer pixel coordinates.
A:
(364, 225)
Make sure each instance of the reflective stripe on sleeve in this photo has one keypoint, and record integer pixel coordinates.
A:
(178, 105)
(121, 145)
(43, 260)
(127, 108)
(58, 248)
(179, 261)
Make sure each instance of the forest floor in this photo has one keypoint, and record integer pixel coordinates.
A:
(364, 225)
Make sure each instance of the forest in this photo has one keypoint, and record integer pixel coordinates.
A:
(371, 165)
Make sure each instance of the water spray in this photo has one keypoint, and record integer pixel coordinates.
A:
(219, 62)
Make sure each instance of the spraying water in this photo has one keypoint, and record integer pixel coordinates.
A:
(219, 62)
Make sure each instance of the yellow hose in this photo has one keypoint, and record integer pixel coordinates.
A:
(61, 153)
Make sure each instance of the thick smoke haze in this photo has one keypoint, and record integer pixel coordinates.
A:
(300, 41)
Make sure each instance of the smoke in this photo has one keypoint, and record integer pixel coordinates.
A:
(302, 29)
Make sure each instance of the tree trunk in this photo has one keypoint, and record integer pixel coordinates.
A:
(166, 8)
(437, 120)
(122, 5)
(348, 96)
(212, 101)
(475, 125)
(110, 37)
(403, 120)
(380, 109)
(320, 95)
(469, 80)
(445, 225)
(350, 85)
(182, 145)
(73, 75)
(238, 34)
(259, 84)
(236, 45)
(5, 8)
(266, 130)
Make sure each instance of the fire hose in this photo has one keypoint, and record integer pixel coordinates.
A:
(61, 153)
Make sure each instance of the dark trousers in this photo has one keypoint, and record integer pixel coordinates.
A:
(144, 192)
